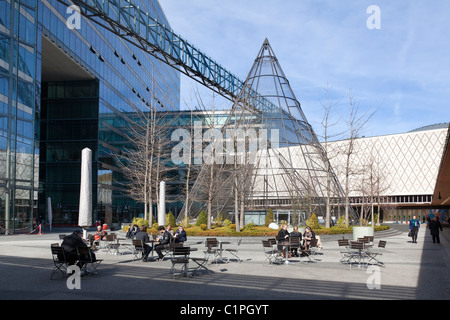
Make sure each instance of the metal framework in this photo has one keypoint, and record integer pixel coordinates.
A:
(127, 21)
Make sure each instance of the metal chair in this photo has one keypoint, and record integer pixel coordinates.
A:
(295, 244)
(170, 247)
(374, 254)
(112, 246)
(271, 252)
(212, 248)
(59, 260)
(180, 257)
(357, 252)
(313, 248)
(234, 251)
(344, 249)
(138, 249)
(86, 258)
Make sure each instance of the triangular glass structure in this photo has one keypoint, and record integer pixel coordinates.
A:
(271, 155)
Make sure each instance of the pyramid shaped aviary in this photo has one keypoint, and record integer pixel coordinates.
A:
(271, 155)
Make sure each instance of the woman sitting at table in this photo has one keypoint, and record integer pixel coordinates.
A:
(307, 237)
(295, 233)
(283, 236)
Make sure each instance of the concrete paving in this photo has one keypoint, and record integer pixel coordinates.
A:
(411, 271)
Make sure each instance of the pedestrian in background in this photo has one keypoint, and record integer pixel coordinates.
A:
(414, 225)
(434, 226)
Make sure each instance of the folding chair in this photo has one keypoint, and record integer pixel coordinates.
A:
(59, 260)
(344, 249)
(356, 251)
(170, 247)
(234, 251)
(200, 265)
(313, 248)
(180, 257)
(295, 244)
(85, 257)
(138, 249)
(212, 248)
(368, 240)
(374, 254)
(272, 254)
(112, 246)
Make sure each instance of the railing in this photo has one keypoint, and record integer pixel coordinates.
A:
(128, 21)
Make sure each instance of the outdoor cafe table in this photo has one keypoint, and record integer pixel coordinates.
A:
(287, 245)
(221, 242)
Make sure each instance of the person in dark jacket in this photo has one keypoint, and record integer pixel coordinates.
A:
(70, 244)
(143, 235)
(283, 236)
(132, 231)
(164, 240)
(180, 235)
(434, 227)
(295, 233)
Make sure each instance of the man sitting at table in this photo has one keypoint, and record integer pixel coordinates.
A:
(180, 235)
(163, 241)
(143, 235)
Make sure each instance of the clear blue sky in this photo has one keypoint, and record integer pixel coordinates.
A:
(403, 68)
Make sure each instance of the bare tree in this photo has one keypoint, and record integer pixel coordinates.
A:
(355, 124)
(144, 162)
(328, 151)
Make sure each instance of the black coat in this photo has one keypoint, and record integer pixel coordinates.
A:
(71, 242)
(180, 236)
(166, 238)
(434, 227)
(282, 235)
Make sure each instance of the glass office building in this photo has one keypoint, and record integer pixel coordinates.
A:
(66, 84)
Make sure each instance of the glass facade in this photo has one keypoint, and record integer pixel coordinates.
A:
(90, 79)
(19, 110)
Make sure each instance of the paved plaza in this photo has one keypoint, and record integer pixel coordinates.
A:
(412, 271)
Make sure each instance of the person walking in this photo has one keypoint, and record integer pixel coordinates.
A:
(414, 225)
(434, 227)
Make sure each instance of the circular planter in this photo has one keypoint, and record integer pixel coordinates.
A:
(360, 232)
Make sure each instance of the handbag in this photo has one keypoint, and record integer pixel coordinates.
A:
(409, 233)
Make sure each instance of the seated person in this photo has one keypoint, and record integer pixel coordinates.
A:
(164, 240)
(307, 237)
(180, 235)
(283, 236)
(70, 244)
(132, 231)
(143, 235)
(295, 233)
(100, 234)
